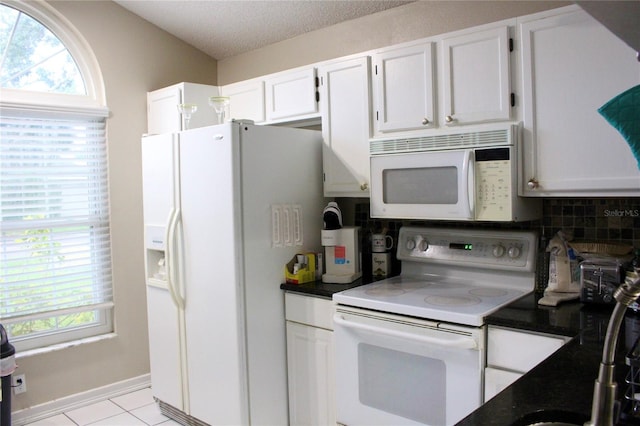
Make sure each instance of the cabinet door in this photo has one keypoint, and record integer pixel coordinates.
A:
(476, 78)
(246, 100)
(496, 380)
(310, 371)
(162, 107)
(572, 65)
(162, 111)
(346, 128)
(512, 353)
(291, 95)
(404, 88)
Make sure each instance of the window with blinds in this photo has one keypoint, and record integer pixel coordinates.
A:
(55, 256)
(55, 250)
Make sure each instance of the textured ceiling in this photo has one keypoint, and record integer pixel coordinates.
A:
(225, 28)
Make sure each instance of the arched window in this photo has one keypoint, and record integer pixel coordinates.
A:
(55, 255)
(35, 59)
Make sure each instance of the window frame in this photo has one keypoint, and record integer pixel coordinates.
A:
(49, 105)
(94, 100)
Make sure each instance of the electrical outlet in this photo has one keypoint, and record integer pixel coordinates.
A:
(19, 384)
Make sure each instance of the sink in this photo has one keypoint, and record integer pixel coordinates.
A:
(552, 418)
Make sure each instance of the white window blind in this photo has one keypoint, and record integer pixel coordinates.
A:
(55, 254)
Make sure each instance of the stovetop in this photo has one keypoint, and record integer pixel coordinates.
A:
(452, 275)
(454, 302)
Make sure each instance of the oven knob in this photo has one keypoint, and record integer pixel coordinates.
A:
(514, 252)
(498, 250)
(423, 245)
(411, 244)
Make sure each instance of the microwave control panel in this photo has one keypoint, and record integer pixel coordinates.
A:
(493, 184)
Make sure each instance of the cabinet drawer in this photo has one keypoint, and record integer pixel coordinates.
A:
(519, 351)
(310, 310)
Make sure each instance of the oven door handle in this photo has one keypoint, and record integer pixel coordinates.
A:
(458, 342)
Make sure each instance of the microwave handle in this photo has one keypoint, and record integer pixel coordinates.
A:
(468, 170)
(448, 340)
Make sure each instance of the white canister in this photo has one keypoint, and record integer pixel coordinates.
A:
(380, 265)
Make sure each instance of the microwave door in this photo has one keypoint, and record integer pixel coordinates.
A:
(423, 185)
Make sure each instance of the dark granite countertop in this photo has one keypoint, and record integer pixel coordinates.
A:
(563, 383)
(318, 288)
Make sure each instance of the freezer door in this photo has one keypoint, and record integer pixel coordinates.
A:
(159, 175)
(159, 179)
(164, 347)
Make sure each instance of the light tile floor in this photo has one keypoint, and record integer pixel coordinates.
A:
(133, 409)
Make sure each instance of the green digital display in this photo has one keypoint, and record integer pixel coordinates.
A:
(461, 246)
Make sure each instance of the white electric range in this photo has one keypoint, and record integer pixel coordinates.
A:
(411, 349)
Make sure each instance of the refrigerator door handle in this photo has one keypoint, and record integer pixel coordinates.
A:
(172, 275)
(179, 260)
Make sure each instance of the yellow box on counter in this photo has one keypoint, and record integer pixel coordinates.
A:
(301, 269)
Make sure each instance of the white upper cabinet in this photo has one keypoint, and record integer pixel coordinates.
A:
(346, 126)
(287, 96)
(472, 72)
(571, 66)
(475, 77)
(404, 88)
(246, 99)
(162, 107)
(291, 95)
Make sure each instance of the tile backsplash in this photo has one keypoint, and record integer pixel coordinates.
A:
(587, 219)
(599, 219)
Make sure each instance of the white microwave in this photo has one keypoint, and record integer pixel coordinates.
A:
(450, 175)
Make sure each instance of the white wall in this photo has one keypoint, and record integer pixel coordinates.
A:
(397, 25)
(135, 57)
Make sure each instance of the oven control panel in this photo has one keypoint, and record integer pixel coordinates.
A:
(492, 249)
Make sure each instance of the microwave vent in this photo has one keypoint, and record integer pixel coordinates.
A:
(442, 141)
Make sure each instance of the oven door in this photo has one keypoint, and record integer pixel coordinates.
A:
(423, 185)
(395, 370)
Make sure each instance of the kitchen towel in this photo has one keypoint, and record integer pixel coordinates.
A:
(623, 113)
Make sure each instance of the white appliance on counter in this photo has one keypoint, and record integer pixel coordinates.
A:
(410, 350)
(223, 212)
(457, 174)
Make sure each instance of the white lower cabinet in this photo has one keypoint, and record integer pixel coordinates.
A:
(512, 353)
(309, 322)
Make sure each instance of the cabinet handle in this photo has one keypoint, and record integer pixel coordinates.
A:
(425, 121)
(449, 119)
(364, 186)
(533, 184)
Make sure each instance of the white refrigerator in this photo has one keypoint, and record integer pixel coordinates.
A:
(225, 208)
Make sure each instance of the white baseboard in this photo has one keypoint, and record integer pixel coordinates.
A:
(71, 402)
